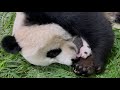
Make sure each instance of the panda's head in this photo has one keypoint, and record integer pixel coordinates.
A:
(40, 44)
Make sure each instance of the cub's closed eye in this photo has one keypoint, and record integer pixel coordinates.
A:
(53, 53)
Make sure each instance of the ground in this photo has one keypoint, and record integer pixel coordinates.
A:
(15, 66)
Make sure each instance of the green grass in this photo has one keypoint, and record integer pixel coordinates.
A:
(15, 66)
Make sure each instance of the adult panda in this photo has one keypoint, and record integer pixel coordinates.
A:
(44, 38)
(114, 18)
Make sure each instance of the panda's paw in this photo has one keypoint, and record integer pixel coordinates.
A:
(86, 67)
(84, 52)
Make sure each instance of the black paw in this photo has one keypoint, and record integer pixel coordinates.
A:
(81, 70)
(98, 68)
(86, 67)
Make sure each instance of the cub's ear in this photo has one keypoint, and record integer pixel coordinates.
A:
(10, 45)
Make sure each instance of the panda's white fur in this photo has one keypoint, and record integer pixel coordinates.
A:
(35, 44)
(113, 17)
(44, 38)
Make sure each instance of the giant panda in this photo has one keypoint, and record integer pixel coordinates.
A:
(44, 38)
(114, 18)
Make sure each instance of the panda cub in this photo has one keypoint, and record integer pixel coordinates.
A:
(80, 39)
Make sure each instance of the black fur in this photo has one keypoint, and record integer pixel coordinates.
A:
(92, 26)
(10, 45)
(53, 53)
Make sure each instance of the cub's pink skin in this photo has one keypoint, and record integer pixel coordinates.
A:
(85, 50)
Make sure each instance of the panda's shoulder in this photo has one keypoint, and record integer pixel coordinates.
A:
(39, 18)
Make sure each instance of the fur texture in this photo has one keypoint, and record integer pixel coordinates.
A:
(114, 18)
(39, 32)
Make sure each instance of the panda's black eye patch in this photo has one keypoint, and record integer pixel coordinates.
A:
(53, 53)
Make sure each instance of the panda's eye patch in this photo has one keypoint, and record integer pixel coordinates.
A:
(53, 53)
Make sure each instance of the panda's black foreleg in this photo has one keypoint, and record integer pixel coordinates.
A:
(96, 62)
(92, 64)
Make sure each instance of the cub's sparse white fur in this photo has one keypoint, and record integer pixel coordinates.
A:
(85, 50)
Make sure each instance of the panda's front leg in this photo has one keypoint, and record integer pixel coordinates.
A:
(85, 50)
(94, 63)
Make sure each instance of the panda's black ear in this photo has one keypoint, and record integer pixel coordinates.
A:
(10, 45)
